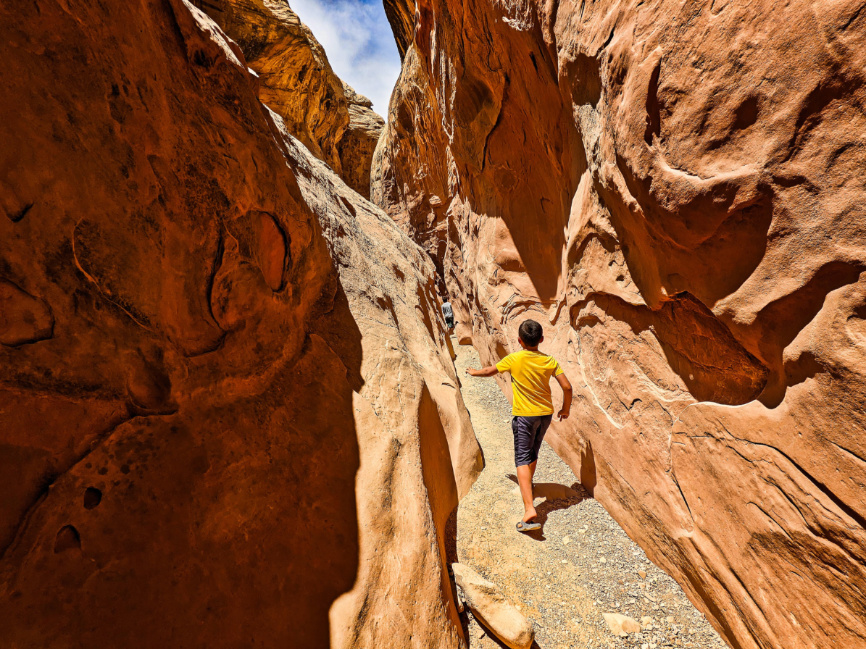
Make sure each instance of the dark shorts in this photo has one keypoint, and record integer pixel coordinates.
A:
(528, 433)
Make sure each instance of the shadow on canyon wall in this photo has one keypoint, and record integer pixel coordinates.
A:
(178, 450)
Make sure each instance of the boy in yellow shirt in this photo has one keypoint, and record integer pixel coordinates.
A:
(532, 407)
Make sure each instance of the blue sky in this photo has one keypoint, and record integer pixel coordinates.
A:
(359, 43)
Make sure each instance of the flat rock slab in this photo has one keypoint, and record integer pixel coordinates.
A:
(490, 606)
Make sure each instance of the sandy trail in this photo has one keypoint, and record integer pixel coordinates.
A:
(578, 567)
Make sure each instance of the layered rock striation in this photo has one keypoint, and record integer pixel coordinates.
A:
(296, 81)
(228, 412)
(673, 191)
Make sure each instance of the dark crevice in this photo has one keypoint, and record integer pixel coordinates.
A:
(653, 114)
(683, 496)
(211, 278)
(20, 214)
(746, 114)
(609, 38)
(824, 489)
(851, 453)
(765, 513)
(348, 205)
(854, 17)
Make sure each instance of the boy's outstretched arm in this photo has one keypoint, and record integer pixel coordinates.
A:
(484, 371)
(565, 384)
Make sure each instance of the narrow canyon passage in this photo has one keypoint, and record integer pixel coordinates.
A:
(579, 567)
(229, 415)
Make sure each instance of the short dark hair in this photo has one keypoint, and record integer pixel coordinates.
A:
(530, 333)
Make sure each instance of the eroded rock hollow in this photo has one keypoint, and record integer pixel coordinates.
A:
(675, 191)
(228, 411)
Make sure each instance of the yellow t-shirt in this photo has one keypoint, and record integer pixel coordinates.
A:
(530, 381)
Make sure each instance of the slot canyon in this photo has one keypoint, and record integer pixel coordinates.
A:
(230, 414)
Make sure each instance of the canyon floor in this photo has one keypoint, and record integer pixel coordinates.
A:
(579, 566)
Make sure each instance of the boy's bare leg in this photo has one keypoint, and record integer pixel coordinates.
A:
(524, 480)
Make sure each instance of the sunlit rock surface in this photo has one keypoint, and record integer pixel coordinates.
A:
(358, 143)
(418, 453)
(297, 82)
(675, 191)
(228, 412)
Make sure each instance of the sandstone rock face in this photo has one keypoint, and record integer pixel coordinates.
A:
(401, 17)
(224, 420)
(297, 82)
(674, 190)
(415, 438)
(358, 143)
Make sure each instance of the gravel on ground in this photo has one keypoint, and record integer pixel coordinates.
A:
(578, 567)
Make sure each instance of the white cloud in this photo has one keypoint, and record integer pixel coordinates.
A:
(359, 43)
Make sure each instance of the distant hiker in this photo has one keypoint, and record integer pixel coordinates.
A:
(532, 407)
(448, 312)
